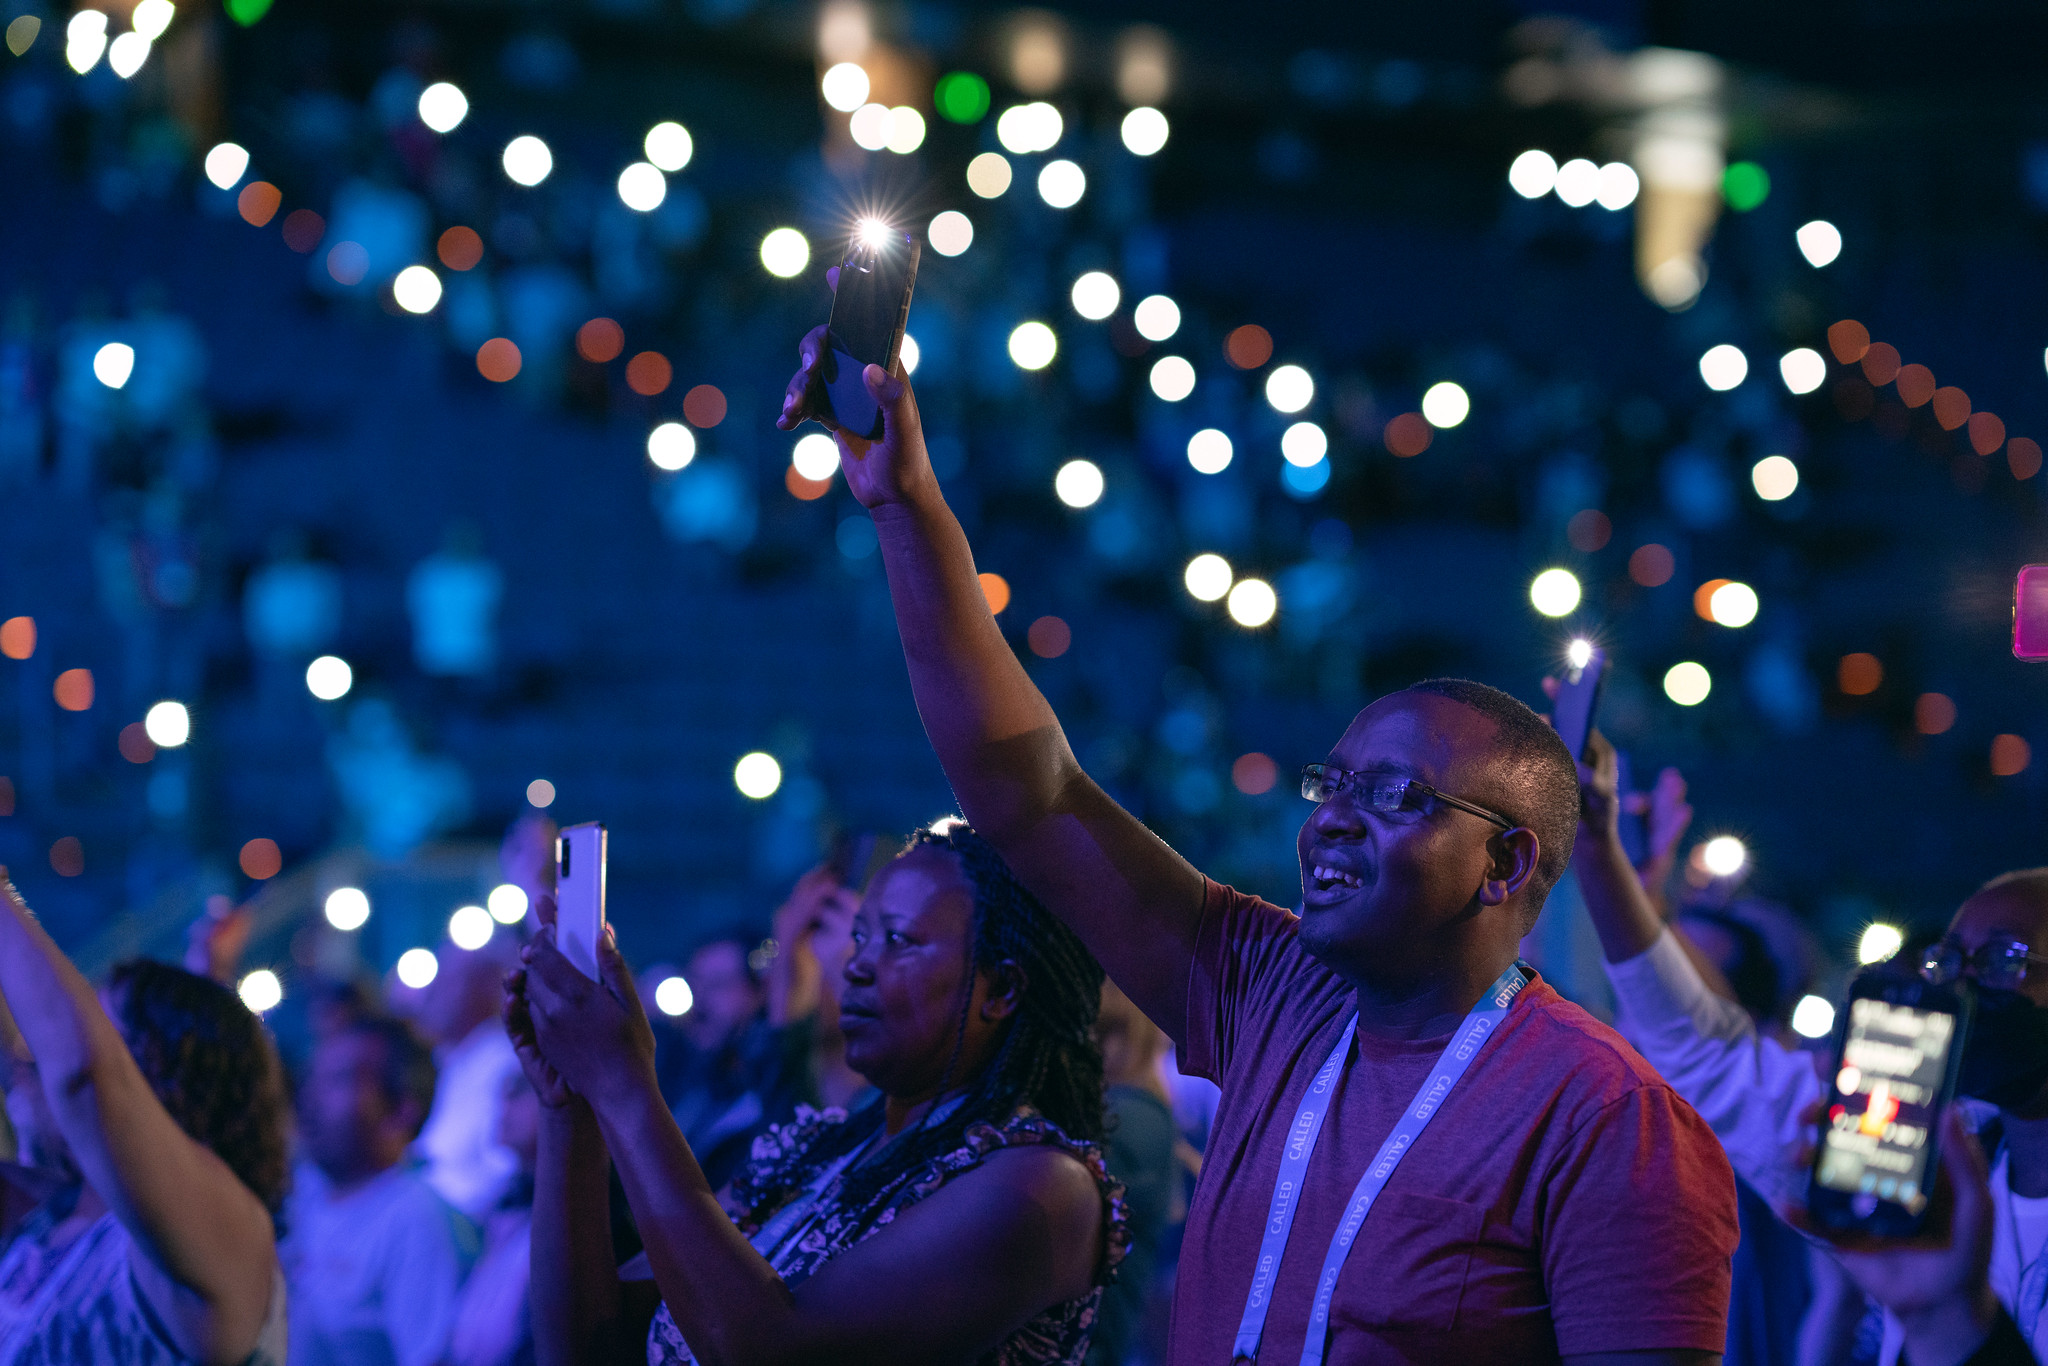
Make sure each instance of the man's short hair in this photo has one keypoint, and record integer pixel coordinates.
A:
(2035, 880)
(1539, 773)
(407, 1072)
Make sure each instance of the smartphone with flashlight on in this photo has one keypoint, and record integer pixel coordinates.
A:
(580, 854)
(870, 307)
(1898, 1046)
(1578, 696)
(2030, 613)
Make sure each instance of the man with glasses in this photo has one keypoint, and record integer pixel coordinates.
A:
(1763, 1099)
(1521, 1187)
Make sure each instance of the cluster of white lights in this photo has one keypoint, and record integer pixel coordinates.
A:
(259, 990)
(470, 927)
(1732, 604)
(815, 457)
(1820, 242)
(951, 233)
(443, 107)
(1304, 444)
(418, 967)
(1079, 483)
(527, 160)
(1724, 367)
(85, 38)
(1578, 182)
(1156, 317)
(1209, 451)
(1145, 131)
(1033, 345)
(1062, 183)
(1775, 478)
(167, 724)
(1555, 592)
(1446, 404)
(1027, 128)
(417, 289)
(507, 903)
(1096, 295)
(673, 997)
(785, 253)
(1251, 602)
(671, 446)
(1289, 389)
(878, 128)
(757, 775)
(226, 164)
(1173, 378)
(1687, 683)
(113, 363)
(347, 908)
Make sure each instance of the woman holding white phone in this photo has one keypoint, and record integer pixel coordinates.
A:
(964, 1214)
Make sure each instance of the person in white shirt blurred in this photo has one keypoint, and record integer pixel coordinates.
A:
(458, 1012)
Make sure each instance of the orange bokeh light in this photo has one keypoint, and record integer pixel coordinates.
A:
(2009, 755)
(1859, 674)
(303, 230)
(260, 859)
(73, 689)
(1049, 637)
(1652, 565)
(1951, 407)
(1589, 530)
(1849, 340)
(996, 589)
(1703, 598)
(1987, 433)
(258, 202)
(135, 745)
(2023, 454)
(704, 406)
(1254, 773)
(460, 248)
(649, 373)
(1409, 434)
(67, 857)
(1881, 363)
(809, 490)
(18, 637)
(498, 360)
(600, 340)
(1933, 713)
(1916, 385)
(1248, 347)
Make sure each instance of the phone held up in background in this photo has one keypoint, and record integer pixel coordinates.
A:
(870, 308)
(2030, 613)
(1578, 697)
(579, 894)
(1898, 1046)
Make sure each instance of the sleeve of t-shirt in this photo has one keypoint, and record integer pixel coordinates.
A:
(1639, 1231)
(423, 1268)
(1243, 947)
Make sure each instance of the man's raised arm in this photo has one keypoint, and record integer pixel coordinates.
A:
(1135, 902)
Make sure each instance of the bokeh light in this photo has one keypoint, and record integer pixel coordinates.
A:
(260, 990)
(1408, 435)
(1533, 174)
(906, 130)
(950, 233)
(152, 17)
(1095, 295)
(1446, 404)
(642, 187)
(672, 446)
(1145, 131)
(845, 86)
(869, 127)
(995, 591)
(225, 164)
(989, 175)
(1687, 683)
(470, 927)
(417, 289)
(1775, 478)
(1578, 182)
(815, 456)
(669, 146)
(1859, 674)
(1724, 367)
(507, 903)
(540, 793)
(72, 690)
(127, 53)
(757, 775)
(348, 263)
(1079, 483)
(1934, 713)
(673, 997)
(1589, 530)
(1803, 369)
(961, 97)
(649, 373)
(1049, 637)
(1303, 444)
(705, 405)
(1813, 1017)
(85, 38)
(1156, 317)
(1172, 378)
(2010, 755)
(1820, 242)
(329, 678)
(785, 253)
(418, 967)
(1652, 565)
(261, 859)
(1733, 604)
(498, 360)
(1619, 186)
(910, 353)
(460, 248)
(600, 341)
(1555, 592)
(443, 107)
(258, 202)
(1209, 451)
(1208, 577)
(1026, 128)
(1252, 603)
(527, 160)
(303, 230)
(1289, 389)
(1723, 856)
(1745, 185)
(167, 724)
(113, 363)
(1254, 774)
(134, 744)
(1062, 183)
(347, 908)
(1033, 346)
(1879, 942)
(1248, 347)
(67, 857)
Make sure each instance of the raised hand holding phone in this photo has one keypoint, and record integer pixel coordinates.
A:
(580, 856)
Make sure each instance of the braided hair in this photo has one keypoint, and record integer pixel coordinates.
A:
(1046, 1057)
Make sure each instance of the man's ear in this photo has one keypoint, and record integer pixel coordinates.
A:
(1511, 858)
(1006, 982)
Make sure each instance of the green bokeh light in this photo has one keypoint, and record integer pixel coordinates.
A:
(961, 97)
(247, 12)
(1745, 185)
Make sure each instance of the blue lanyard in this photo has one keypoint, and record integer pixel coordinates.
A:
(1301, 1144)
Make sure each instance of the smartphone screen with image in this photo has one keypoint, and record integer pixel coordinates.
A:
(870, 307)
(580, 855)
(1895, 1073)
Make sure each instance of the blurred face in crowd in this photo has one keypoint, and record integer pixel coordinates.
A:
(2005, 1060)
(351, 1125)
(727, 998)
(900, 1007)
(1382, 893)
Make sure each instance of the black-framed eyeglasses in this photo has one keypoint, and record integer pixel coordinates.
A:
(2000, 965)
(1385, 793)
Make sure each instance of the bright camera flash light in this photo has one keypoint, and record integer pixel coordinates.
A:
(1879, 942)
(873, 232)
(1579, 652)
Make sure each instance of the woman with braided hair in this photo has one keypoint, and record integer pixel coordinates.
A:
(961, 1216)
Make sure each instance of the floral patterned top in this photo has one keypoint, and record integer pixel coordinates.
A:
(781, 1172)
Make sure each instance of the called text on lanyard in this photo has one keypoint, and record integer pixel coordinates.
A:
(1301, 1144)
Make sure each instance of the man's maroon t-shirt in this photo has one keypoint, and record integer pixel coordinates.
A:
(1562, 1201)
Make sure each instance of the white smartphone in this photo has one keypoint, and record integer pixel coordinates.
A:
(579, 894)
